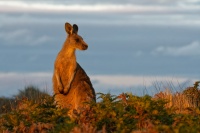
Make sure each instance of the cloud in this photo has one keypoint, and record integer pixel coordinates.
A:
(140, 13)
(131, 7)
(192, 49)
(13, 36)
(127, 81)
(12, 82)
(34, 19)
(139, 53)
(41, 40)
(22, 37)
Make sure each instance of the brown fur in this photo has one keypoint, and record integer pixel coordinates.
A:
(72, 87)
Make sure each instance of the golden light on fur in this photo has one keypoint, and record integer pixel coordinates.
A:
(72, 87)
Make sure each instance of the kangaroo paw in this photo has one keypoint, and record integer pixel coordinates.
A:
(61, 90)
(66, 90)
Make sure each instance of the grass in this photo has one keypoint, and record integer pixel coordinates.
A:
(32, 110)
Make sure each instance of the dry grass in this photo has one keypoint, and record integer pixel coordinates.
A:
(182, 102)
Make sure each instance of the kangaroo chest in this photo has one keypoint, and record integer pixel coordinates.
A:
(66, 65)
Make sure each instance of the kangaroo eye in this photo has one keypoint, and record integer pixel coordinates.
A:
(77, 40)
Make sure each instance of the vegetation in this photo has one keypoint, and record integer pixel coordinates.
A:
(34, 111)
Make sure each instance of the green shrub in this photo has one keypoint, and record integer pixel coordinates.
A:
(127, 112)
(193, 94)
(31, 93)
(6, 104)
(35, 111)
(31, 117)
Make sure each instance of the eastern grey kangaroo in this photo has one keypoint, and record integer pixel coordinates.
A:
(72, 87)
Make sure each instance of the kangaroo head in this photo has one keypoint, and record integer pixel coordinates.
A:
(74, 40)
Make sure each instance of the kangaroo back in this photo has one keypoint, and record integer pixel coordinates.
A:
(82, 82)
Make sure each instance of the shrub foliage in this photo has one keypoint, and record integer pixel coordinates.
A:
(36, 112)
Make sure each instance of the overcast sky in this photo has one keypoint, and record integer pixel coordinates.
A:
(131, 37)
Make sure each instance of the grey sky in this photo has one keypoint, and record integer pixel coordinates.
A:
(148, 37)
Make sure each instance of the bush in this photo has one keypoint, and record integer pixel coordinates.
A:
(36, 117)
(35, 111)
(193, 95)
(6, 104)
(30, 92)
(126, 112)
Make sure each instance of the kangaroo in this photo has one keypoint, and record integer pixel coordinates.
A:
(72, 87)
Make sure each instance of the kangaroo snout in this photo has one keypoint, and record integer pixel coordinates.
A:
(85, 47)
(82, 46)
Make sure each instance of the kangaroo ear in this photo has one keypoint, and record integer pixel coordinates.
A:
(68, 28)
(75, 28)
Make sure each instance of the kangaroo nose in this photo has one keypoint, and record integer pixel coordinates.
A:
(85, 47)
